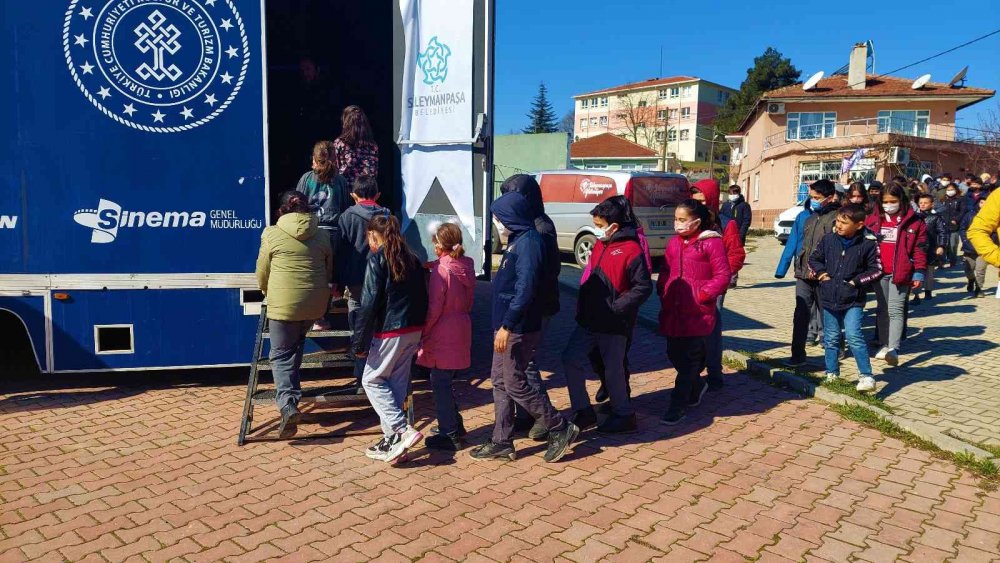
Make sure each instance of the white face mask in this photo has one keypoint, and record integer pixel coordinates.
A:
(734, 197)
(951, 193)
(891, 208)
(605, 233)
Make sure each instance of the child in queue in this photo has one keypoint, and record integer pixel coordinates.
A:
(846, 263)
(446, 344)
(389, 324)
(694, 275)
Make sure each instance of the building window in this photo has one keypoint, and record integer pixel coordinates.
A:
(672, 134)
(674, 92)
(583, 103)
(593, 122)
(756, 186)
(812, 125)
(642, 125)
(809, 172)
(583, 123)
(721, 97)
(649, 167)
(685, 134)
(661, 114)
(685, 91)
(604, 102)
(659, 136)
(673, 114)
(597, 166)
(904, 122)
(662, 93)
(685, 113)
(603, 121)
(701, 154)
(642, 103)
(628, 166)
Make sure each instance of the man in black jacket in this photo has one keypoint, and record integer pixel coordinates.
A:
(951, 206)
(737, 209)
(937, 241)
(548, 295)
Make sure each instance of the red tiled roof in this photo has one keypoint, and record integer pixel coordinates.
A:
(642, 84)
(607, 145)
(876, 86)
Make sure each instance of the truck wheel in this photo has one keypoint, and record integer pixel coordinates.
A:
(583, 248)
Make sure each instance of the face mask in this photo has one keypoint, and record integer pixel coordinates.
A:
(734, 197)
(951, 193)
(605, 233)
(685, 229)
(891, 208)
(816, 205)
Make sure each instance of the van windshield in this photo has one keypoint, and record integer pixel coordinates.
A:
(652, 191)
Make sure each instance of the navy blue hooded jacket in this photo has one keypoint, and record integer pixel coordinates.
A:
(518, 282)
(528, 187)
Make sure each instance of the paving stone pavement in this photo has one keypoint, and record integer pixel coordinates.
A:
(145, 468)
(949, 372)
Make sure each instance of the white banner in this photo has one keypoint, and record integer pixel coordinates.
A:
(437, 105)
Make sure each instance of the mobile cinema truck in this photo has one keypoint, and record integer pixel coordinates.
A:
(145, 141)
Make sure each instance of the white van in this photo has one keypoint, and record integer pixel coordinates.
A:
(570, 195)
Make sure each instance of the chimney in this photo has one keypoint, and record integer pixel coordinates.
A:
(858, 67)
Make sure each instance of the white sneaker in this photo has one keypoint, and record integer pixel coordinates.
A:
(402, 441)
(892, 358)
(830, 377)
(866, 383)
(880, 355)
(379, 450)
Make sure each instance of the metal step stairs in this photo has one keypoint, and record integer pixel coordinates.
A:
(335, 357)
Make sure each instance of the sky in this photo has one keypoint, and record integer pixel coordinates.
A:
(583, 45)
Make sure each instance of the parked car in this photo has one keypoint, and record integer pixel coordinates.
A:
(784, 221)
(569, 195)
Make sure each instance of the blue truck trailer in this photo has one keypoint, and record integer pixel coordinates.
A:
(145, 141)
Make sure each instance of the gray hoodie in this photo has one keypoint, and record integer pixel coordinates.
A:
(350, 251)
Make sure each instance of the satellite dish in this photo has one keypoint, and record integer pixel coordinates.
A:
(921, 82)
(960, 77)
(813, 81)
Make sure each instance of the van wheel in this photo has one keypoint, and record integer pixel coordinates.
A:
(583, 248)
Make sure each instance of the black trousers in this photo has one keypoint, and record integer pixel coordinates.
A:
(806, 302)
(687, 354)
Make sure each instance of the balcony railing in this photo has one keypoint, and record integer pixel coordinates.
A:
(882, 125)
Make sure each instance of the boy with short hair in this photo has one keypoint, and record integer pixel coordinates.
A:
(606, 311)
(351, 250)
(846, 262)
(937, 241)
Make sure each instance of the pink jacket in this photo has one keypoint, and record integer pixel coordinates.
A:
(447, 339)
(695, 273)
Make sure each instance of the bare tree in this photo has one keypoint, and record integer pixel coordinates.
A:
(568, 122)
(636, 116)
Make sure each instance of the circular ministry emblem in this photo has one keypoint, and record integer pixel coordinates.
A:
(162, 66)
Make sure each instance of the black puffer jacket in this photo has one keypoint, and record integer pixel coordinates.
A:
(937, 233)
(853, 265)
(387, 305)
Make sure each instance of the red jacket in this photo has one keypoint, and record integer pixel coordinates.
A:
(911, 245)
(695, 273)
(735, 252)
(618, 284)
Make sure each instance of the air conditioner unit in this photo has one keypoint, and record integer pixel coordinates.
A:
(671, 155)
(775, 108)
(899, 155)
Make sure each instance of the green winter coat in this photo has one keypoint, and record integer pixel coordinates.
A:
(294, 268)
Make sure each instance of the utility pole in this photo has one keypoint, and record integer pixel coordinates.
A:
(711, 154)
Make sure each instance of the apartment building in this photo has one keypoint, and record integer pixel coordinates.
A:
(795, 136)
(678, 111)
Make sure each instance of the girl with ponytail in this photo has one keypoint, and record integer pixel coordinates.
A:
(387, 333)
(447, 340)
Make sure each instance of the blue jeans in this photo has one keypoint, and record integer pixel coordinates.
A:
(850, 322)
(713, 356)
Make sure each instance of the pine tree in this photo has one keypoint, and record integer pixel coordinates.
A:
(542, 117)
(770, 70)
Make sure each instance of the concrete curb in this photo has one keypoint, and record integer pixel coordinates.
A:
(810, 389)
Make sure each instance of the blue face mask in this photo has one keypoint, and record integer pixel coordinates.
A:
(816, 205)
